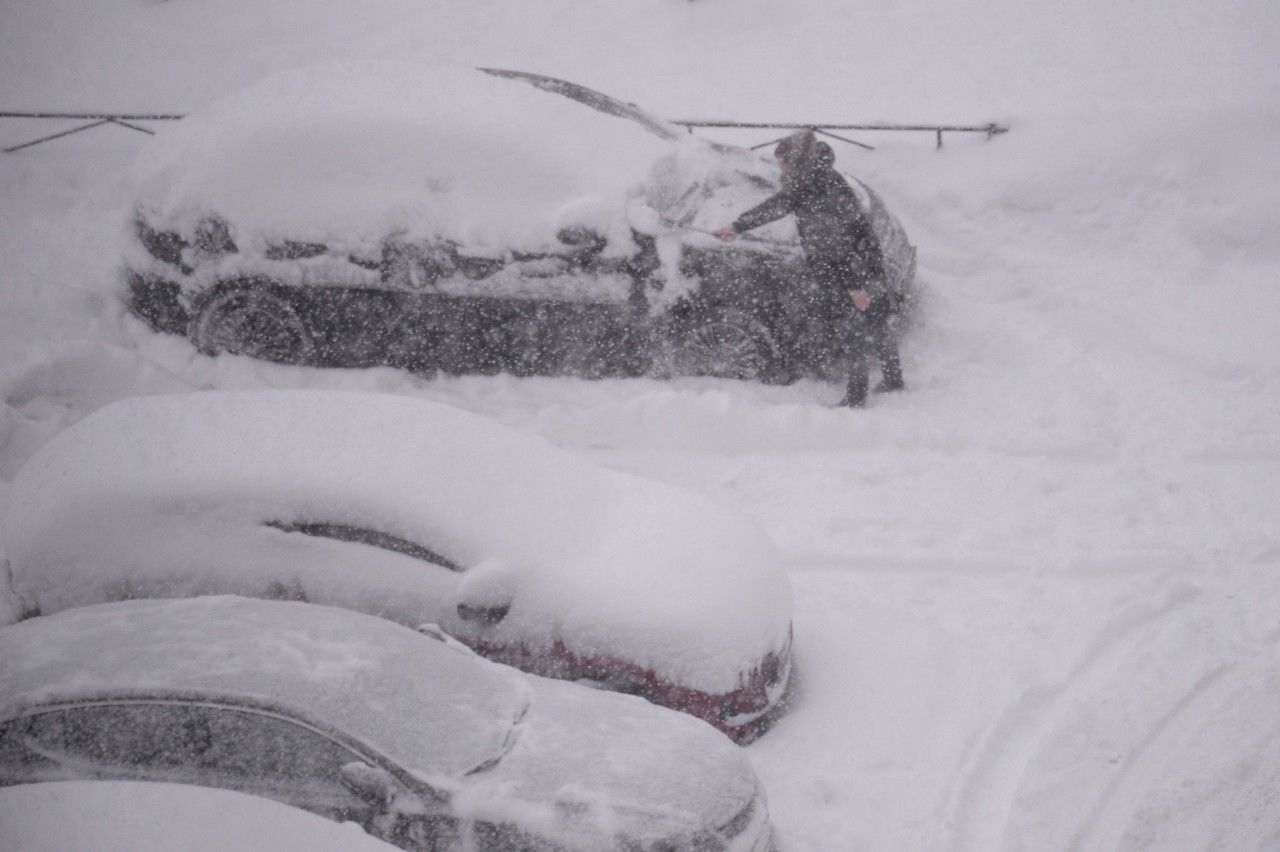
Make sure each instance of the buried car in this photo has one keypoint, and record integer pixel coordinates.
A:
(133, 816)
(418, 740)
(472, 220)
(420, 513)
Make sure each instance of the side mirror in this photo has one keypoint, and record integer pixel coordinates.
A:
(485, 594)
(486, 615)
(375, 786)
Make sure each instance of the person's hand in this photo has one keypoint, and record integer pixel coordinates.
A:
(861, 300)
(727, 234)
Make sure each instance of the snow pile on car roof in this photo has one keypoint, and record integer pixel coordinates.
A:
(182, 494)
(360, 150)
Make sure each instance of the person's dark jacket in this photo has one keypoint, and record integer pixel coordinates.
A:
(839, 243)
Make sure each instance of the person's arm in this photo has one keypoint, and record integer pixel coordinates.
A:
(771, 209)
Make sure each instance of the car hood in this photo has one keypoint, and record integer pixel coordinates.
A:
(587, 763)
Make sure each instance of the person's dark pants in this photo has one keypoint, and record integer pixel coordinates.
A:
(868, 335)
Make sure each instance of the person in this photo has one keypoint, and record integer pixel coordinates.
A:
(843, 255)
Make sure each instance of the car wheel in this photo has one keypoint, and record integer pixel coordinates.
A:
(251, 320)
(726, 343)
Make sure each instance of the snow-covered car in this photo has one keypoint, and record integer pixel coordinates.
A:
(417, 739)
(420, 513)
(148, 816)
(471, 220)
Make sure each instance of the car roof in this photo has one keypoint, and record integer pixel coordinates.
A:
(349, 152)
(432, 708)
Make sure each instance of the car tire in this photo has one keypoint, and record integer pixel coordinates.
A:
(251, 318)
(722, 342)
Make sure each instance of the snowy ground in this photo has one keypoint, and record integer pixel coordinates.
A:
(1035, 596)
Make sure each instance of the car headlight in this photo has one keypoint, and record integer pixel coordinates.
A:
(164, 246)
(741, 820)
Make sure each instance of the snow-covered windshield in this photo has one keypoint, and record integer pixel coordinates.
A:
(697, 187)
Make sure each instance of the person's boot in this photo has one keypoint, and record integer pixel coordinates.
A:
(855, 395)
(890, 374)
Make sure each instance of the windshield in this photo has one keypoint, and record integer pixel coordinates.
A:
(597, 101)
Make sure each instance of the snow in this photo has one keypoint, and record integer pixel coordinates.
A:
(352, 152)
(176, 494)
(1034, 595)
(429, 707)
(130, 816)
(346, 670)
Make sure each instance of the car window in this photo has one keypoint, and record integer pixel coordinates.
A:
(115, 739)
(19, 764)
(209, 745)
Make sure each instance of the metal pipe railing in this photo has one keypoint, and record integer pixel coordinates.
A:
(990, 129)
(96, 119)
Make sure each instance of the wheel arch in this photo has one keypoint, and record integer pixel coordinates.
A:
(291, 298)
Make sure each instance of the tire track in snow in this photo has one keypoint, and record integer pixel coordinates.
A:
(983, 798)
(1112, 814)
(1106, 823)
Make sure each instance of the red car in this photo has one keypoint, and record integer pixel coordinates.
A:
(420, 513)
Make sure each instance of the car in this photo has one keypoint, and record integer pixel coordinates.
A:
(417, 512)
(146, 815)
(421, 742)
(472, 221)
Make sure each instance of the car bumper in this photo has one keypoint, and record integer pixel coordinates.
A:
(743, 714)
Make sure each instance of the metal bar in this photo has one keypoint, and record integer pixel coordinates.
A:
(842, 139)
(132, 126)
(762, 144)
(989, 129)
(87, 115)
(55, 136)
